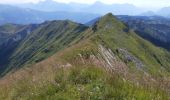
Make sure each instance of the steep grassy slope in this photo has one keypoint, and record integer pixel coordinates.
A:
(76, 73)
(117, 36)
(113, 40)
(154, 29)
(16, 33)
(105, 61)
(45, 40)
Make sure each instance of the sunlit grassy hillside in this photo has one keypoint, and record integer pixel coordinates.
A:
(107, 61)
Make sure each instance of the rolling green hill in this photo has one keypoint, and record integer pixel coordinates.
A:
(69, 61)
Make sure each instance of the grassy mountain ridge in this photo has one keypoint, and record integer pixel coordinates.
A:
(11, 42)
(121, 37)
(58, 35)
(140, 56)
(104, 61)
(43, 41)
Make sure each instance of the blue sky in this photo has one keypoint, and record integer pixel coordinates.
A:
(139, 3)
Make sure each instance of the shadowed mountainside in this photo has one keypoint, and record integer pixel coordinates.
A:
(36, 42)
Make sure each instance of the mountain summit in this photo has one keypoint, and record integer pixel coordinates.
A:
(109, 21)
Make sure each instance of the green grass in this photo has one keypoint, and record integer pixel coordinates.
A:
(82, 83)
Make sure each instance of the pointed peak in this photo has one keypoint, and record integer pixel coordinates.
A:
(109, 21)
(109, 15)
(109, 18)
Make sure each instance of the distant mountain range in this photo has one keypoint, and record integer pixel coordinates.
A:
(165, 12)
(17, 15)
(97, 7)
(81, 13)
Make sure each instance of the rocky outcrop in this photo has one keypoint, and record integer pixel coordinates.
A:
(128, 57)
(112, 63)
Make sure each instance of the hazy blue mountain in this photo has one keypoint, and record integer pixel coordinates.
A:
(97, 7)
(51, 6)
(117, 9)
(164, 12)
(149, 13)
(12, 14)
(47, 5)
